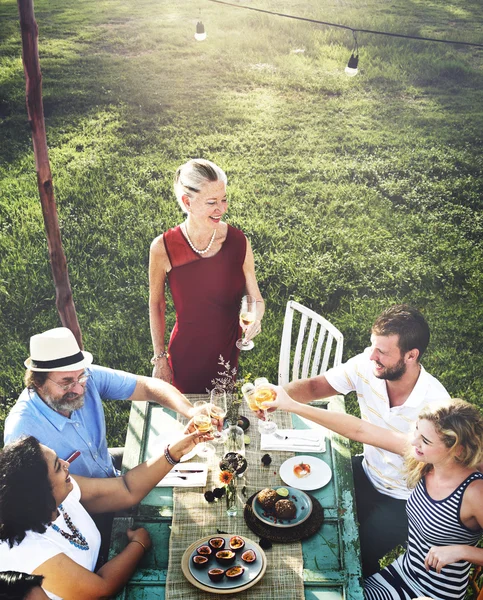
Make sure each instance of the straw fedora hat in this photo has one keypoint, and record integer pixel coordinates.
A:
(56, 350)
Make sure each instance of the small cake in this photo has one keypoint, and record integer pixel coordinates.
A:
(301, 470)
(267, 498)
(285, 509)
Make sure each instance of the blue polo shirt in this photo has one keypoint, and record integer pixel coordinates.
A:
(84, 431)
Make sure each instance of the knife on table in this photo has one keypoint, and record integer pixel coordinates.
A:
(186, 471)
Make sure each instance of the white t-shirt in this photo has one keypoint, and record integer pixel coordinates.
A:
(384, 469)
(37, 548)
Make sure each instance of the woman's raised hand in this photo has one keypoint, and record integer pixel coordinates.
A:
(188, 441)
(252, 330)
(282, 401)
(216, 422)
(162, 370)
(139, 535)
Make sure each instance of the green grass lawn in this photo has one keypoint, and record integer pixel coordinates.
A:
(355, 192)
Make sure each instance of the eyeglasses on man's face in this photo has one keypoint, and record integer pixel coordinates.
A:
(82, 380)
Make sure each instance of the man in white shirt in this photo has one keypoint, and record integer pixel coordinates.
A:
(392, 388)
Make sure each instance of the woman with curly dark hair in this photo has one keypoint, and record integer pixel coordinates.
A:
(45, 528)
(21, 586)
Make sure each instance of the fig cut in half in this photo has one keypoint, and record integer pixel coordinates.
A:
(237, 543)
(249, 556)
(225, 557)
(204, 550)
(199, 561)
(216, 574)
(235, 572)
(216, 543)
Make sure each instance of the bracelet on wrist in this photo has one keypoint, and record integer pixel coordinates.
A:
(140, 543)
(169, 458)
(156, 357)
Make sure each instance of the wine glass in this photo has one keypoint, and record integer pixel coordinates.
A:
(256, 395)
(202, 422)
(218, 410)
(248, 314)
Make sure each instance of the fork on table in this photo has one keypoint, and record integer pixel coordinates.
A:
(295, 437)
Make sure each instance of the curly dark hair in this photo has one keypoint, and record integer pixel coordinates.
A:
(406, 322)
(17, 586)
(26, 498)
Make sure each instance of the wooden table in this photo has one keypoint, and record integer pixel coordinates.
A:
(331, 557)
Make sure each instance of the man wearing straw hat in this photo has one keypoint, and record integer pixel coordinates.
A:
(61, 405)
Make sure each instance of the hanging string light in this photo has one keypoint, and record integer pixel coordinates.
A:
(351, 68)
(200, 34)
(353, 29)
(352, 65)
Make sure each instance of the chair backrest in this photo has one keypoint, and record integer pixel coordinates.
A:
(318, 347)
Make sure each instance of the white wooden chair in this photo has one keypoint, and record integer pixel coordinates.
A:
(318, 347)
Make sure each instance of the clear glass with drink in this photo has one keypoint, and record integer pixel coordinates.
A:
(256, 395)
(202, 422)
(248, 314)
(218, 409)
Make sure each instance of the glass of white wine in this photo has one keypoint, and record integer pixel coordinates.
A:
(248, 314)
(202, 421)
(218, 410)
(256, 395)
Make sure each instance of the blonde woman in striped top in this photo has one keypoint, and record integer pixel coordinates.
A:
(445, 509)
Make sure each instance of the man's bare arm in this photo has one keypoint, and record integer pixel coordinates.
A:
(308, 390)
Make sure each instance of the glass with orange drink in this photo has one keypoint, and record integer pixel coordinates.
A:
(256, 395)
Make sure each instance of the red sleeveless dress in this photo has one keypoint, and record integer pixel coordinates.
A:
(206, 293)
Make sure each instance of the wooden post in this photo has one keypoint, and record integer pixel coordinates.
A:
(35, 110)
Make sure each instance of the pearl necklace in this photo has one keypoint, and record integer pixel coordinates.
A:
(75, 537)
(193, 246)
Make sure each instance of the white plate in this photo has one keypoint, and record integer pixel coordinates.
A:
(320, 473)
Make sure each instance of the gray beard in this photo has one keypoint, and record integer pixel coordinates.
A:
(66, 403)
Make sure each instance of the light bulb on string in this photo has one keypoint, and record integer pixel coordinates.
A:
(200, 34)
(351, 68)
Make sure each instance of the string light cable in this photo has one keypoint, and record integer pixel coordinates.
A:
(347, 27)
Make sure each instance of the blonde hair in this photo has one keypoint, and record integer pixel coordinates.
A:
(460, 428)
(193, 175)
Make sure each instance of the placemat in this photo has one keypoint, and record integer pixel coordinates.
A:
(194, 518)
(290, 534)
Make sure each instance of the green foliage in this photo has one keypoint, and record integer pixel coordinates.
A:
(354, 192)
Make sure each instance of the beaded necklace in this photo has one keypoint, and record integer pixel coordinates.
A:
(193, 246)
(75, 537)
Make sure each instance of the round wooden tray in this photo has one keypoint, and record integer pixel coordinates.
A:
(213, 589)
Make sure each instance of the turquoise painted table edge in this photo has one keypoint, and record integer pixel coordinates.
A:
(319, 584)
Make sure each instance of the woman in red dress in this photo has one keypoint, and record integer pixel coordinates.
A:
(210, 267)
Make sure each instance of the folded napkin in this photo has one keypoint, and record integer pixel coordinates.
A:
(182, 476)
(298, 440)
